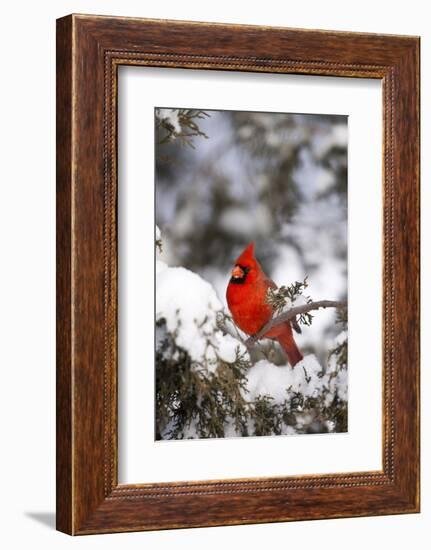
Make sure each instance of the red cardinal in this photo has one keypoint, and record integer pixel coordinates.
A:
(247, 300)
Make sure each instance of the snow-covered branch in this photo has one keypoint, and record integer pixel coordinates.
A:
(292, 313)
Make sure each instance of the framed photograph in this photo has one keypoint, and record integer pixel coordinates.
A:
(237, 274)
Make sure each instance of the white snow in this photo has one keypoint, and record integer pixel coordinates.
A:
(240, 221)
(264, 378)
(246, 132)
(160, 266)
(237, 220)
(171, 117)
(336, 137)
(323, 180)
(263, 220)
(340, 384)
(190, 305)
(306, 378)
(340, 338)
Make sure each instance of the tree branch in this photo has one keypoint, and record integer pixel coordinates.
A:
(290, 314)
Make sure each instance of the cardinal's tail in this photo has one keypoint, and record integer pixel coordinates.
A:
(289, 345)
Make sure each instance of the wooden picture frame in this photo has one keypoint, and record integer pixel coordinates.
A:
(89, 52)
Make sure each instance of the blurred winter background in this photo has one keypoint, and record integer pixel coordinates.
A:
(223, 179)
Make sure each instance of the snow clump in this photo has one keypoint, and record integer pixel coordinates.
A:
(190, 306)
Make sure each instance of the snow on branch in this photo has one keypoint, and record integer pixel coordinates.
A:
(290, 314)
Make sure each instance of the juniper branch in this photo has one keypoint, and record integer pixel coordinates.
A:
(229, 328)
(290, 314)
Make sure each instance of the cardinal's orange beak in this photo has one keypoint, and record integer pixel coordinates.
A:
(237, 272)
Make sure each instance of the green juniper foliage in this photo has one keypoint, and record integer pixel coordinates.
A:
(187, 392)
(159, 245)
(341, 349)
(340, 354)
(183, 127)
(194, 401)
(285, 296)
